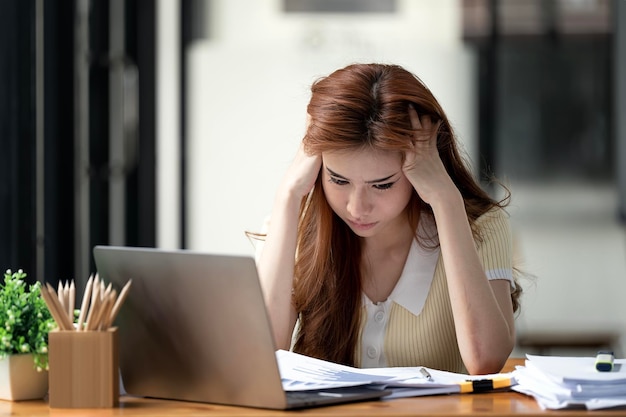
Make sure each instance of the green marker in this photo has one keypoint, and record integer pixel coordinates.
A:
(604, 361)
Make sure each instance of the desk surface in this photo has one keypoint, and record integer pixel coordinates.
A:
(487, 404)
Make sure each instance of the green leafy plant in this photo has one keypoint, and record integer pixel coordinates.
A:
(24, 319)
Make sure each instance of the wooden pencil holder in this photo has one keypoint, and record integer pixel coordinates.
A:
(83, 369)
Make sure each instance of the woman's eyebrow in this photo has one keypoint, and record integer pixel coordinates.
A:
(334, 174)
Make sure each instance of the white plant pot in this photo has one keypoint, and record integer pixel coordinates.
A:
(19, 379)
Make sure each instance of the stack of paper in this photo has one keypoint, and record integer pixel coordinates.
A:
(571, 382)
(302, 373)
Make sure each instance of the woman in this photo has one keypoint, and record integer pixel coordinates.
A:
(382, 248)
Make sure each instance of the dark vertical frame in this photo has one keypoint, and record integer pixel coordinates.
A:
(98, 120)
(17, 136)
(487, 96)
(58, 139)
(186, 36)
(141, 182)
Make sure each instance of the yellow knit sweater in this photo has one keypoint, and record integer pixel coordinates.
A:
(429, 339)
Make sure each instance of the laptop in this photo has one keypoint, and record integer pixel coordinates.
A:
(195, 328)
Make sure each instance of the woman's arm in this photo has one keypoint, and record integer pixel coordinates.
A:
(483, 312)
(482, 309)
(277, 259)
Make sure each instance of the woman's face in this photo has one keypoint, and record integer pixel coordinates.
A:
(366, 189)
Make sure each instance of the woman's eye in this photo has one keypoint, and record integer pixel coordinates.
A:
(385, 186)
(338, 181)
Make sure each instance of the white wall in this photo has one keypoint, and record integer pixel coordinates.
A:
(568, 238)
(249, 90)
(168, 125)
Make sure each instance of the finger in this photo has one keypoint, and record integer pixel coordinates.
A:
(425, 122)
(414, 117)
(432, 129)
(437, 126)
(418, 122)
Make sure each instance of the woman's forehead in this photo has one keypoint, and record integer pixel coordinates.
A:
(363, 163)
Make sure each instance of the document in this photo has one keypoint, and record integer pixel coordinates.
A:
(301, 373)
(559, 382)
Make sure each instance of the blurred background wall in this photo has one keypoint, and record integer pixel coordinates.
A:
(247, 104)
(170, 123)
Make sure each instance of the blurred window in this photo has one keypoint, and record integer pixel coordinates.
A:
(546, 102)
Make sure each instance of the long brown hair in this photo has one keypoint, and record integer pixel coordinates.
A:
(362, 105)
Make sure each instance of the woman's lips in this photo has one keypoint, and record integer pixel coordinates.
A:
(361, 226)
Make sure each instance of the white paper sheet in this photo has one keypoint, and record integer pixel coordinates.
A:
(299, 373)
(558, 382)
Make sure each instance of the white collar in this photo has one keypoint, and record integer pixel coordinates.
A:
(413, 286)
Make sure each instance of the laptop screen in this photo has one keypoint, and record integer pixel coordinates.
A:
(194, 327)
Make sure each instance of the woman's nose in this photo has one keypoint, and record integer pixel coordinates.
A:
(358, 204)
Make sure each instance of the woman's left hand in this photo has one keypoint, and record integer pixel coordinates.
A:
(483, 315)
(423, 166)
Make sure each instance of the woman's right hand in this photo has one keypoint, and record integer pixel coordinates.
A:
(277, 259)
(302, 173)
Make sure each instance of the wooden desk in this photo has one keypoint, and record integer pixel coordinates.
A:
(489, 404)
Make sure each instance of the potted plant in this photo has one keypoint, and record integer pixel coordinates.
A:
(24, 325)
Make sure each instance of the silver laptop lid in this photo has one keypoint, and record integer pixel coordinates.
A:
(194, 327)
